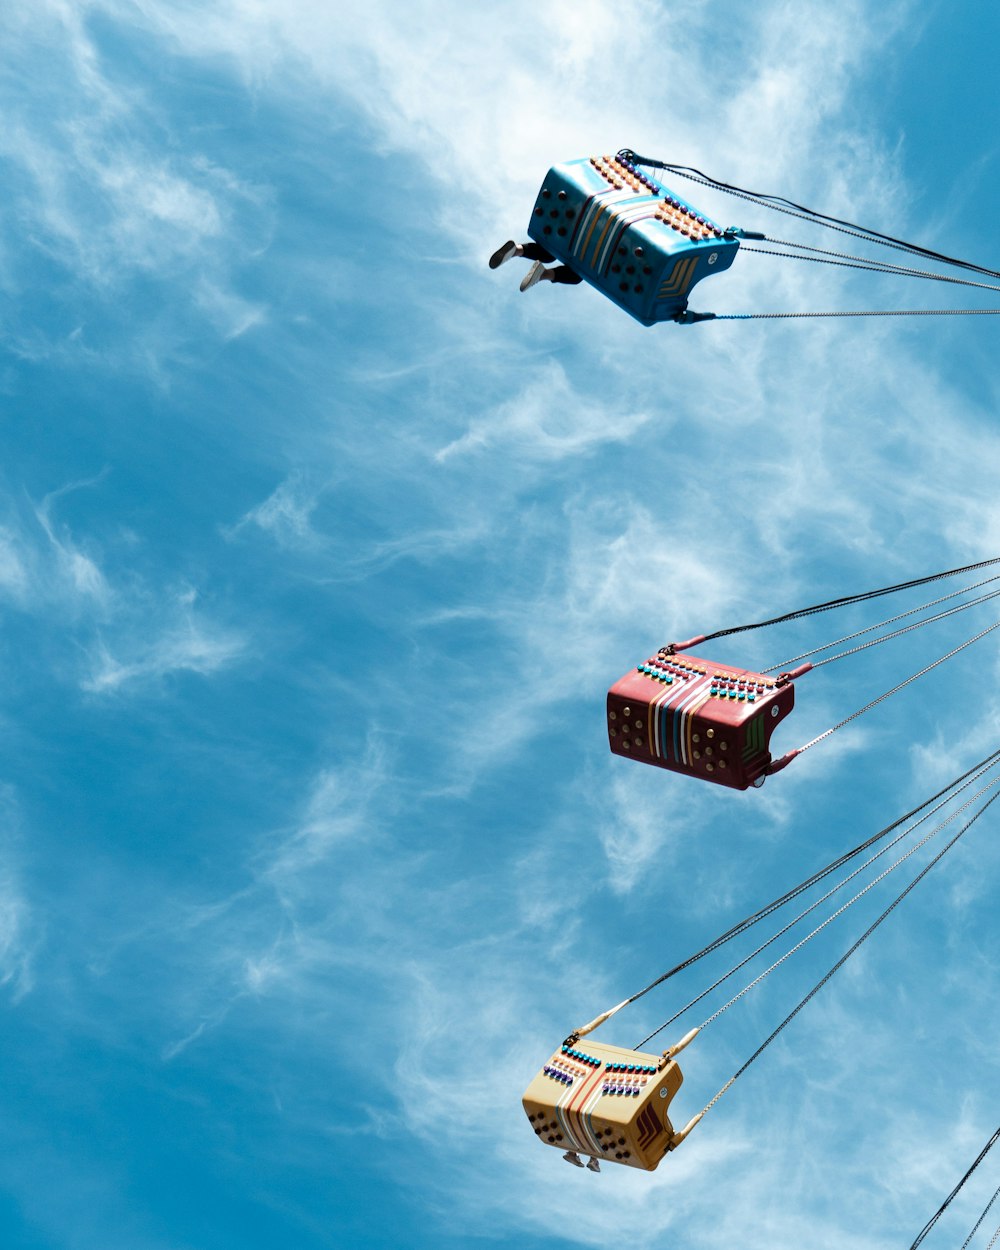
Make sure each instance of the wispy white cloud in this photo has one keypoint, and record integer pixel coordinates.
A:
(187, 646)
(109, 204)
(15, 956)
(285, 514)
(547, 419)
(232, 315)
(130, 631)
(339, 807)
(19, 934)
(13, 575)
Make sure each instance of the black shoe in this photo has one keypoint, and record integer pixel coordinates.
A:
(504, 253)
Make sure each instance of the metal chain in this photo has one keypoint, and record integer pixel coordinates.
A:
(829, 894)
(896, 633)
(737, 930)
(847, 261)
(850, 903)
(868, 628)
(790, 212)
(820, 219)
(975, 1226)
(948, 1201)
(874, 703)
(890, 312)
(845, 600)
(860, 263)
(993, 1240)
(844, 958)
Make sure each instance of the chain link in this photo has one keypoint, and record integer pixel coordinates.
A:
(888, 312)
(828, 895)
(875, 702)
(975, 1227)
(848, 261)
(847, 954)
(896, 633)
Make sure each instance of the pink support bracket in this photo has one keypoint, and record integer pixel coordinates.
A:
(673, 647)
(784, 678)
(777, 765)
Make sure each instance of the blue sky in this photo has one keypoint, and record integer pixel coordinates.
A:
(319, 547)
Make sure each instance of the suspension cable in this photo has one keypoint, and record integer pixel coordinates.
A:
(846, 600)
(756, 917)
(896, 633)
(818, 902)
(947, 1202)
(975, 1226)
(885, 312)
(869, 628)
(863, 263)
(849, 261)
(882, 697)
(850, 903)
(782, 205)
(844, 958)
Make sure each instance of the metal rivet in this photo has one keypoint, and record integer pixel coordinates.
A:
(774, 710)
(713, 258)
(638, 724)
(709, 733)
(613, 733)
(697, 755)
(723, 746)
(710, 767)
(708, 750)
(625, 743)
(695, 738)
(638, 742)
(612, 716)
(626, 711)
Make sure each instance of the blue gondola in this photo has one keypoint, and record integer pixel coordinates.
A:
(628, 235)
(608, 221)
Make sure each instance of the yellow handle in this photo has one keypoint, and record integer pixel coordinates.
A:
(686, 1040)
(677, 1138)
(589, 1028)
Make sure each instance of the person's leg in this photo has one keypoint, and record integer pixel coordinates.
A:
(530, 251)
(535, 251)
(538, 273)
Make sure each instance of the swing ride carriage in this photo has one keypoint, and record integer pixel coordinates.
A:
(613, 224)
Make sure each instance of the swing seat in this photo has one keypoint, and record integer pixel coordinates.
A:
(628, 235)
(605, 1102)
(698, 717)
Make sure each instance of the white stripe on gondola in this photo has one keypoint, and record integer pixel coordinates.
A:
(628, 216)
